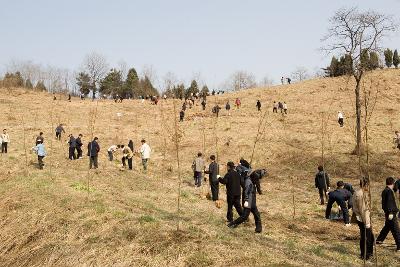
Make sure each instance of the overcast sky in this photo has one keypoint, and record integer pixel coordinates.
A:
(210, 37)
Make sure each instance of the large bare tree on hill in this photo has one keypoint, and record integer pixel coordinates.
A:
(354, 33)
(96, 66)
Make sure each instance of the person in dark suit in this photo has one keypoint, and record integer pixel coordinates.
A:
(340, 196)
(322, 183)
(232, 180)
(93, 152)
(213, 172)
(390, 208)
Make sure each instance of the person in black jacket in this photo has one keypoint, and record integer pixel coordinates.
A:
(72, 147)
(258, 105)
(79, 145)
(322, 183)
(181, 115)
(349, 187)
(389, 206)
(93, 151)
(255, 178)
(232, 180)
(213, 172)
(340, 196)
(249, 205)
(203, 104)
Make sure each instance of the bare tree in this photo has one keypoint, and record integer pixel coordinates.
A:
(266, 81)
(300, 74)
(96, 66)
(353, 33)
(241, 80)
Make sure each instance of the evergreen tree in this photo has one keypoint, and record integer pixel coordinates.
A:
(40, 86)
(365, 60)
(28, 84)
(388, 57)
(146, 88)
(179, 91)
(205, 90)
(84, 83)
(334, 67)
(112, 83)
(396, 59)
(193, 89)
(132, 83)
(373, 60)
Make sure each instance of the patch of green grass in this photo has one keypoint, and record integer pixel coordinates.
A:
(340, 249)
(82, 187)
(146, 219)
(317, 250)
(291, 244)
(199, 259)
(98, 206)
(118, 214)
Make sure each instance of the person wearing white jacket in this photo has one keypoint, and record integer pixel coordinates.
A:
(5, 139)
(145, 151)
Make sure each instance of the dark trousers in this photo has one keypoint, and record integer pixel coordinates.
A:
(392, 226)
(93, 162)
(110, 155)
(322, 195)
(197, 178)
(40, 160)
(79, 150)
(366, 232)
(274, 110)
(342, 205)
(129, 162)
(259, 108)
(245, 215)
(233, 201)
(72, 153)
(4, 147)
(340, 122)
(214, 189)
(258, 185)
(58, 136)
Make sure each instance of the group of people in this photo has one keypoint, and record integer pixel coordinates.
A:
(242, 185)
(279, 106)
(128, 153)
(359, 201)
(283, 80)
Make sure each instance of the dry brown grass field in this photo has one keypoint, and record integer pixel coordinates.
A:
(129, 218)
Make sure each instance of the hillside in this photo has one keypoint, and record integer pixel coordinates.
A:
(49, 218)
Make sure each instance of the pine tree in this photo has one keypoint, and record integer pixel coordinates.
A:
(112, 83)
(334, 67)
(373, 60)
(28, 84)
(205, 90)
(388, 57)
(132, 83)
(83, 81)
(396, 59)
(193, 89)
(40, 86)
(146, 88)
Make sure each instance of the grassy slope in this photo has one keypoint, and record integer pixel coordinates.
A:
(129, 218)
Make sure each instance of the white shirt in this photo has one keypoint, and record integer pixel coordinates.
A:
(340, 115)
(145, 151)
(5, 138)
(284, 106)
(112, 148)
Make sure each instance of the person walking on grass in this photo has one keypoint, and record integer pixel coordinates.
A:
(390, 208)
(249, 206)
(322, 183)
(275, 107)
(41, 153)
(72, 147)
(284, 108)
(258, 105)
(198, 167)
(396, 140)
(93, 153)
(238, 103)
(340, 119)
(213, 172)
(5, 139)
(181, 115)
(232, 180)
(40, 138)
(145, 151)
(131, 146)
(203, 104)
(59, 131)
(79, 145)
(340, 196)
(111, 150)
(361, 216)
(228, 107)
(256, 177)
(127, 156)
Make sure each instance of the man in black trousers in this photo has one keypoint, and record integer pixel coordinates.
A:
(389, 206)
(213, 172)
(322, 183)
(340, 196)
(249, 205)
(93, 152)
(72, 147)
(79, 145)
(232, 181)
